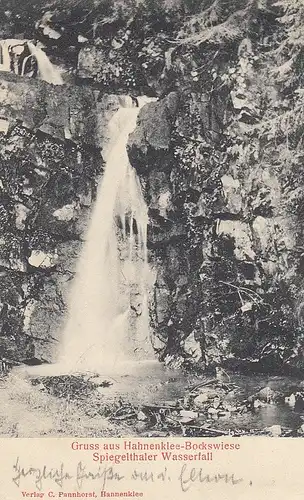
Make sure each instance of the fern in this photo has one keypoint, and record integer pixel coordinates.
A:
(205, 19)
(217, 35)
(209, 27)
(293, 20)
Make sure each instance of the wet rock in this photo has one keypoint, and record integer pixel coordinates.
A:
(216, 402)
(4, 126)
(189, 414)
(82, 39)
(86, 198)
(222, 375)
(155, 434)
(274, 430)
(39, 105)
(233, 195)
(67, 255)
(65, 213)
(224, 414)
(90, 62)
(185, 420)
(79, 225)
(170, 403)
(44, 316)
(212, 393)
(231, 395)
(241, 233)
(141, 426)
(301, 430)
(99, 381)
(160, 194)
(299, 404)
(153, 130)
(42, 260)
(213, 411)
(192, 347)
(266, 394)
(291, 400)
(174, 362)
(230, 408)
(201, 399)
(142, 416)
(162, 303)
(22, 213)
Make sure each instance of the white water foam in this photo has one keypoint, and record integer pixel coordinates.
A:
(12, 53)
(107, 329)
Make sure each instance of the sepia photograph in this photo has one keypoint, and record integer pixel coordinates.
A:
(152, 221)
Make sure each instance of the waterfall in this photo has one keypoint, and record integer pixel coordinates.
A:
(46, 70)
(15, 54)
(5, 58)
(108, 321)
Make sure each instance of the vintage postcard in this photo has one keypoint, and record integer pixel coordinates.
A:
(151, 249)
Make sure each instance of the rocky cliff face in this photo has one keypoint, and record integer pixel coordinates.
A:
(224, 237)
(219, 155)
(50, 166)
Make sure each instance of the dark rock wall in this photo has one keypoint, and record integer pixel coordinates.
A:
(226, 256)
(225, 221)
(50, 163)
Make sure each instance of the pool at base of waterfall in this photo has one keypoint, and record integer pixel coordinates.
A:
(154, 400)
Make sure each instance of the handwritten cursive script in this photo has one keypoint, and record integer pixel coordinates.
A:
(102, 474)
(185, 476)
(188, 477)
(58, 475)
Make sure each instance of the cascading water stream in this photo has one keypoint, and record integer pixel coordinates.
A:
(107, 326)
(108, 321)
(15, 56)
(46, 70)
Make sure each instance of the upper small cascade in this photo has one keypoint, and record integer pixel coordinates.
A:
(23, 57)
